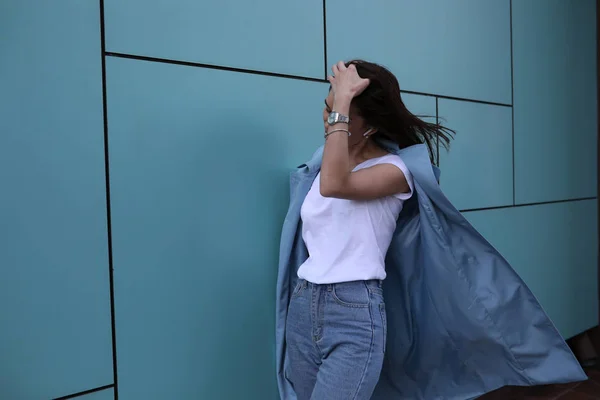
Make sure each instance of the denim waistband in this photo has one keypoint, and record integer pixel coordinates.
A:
(371, 284)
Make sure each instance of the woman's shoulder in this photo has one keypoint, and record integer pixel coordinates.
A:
(389, 158)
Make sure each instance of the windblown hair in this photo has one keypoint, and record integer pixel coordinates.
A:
(381, 105)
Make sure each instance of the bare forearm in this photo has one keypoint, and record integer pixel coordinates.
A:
(335, 168)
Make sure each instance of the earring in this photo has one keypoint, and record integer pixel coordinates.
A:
(366, 134)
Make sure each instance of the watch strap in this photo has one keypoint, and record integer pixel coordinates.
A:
(335, 118)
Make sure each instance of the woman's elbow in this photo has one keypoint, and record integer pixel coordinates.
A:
(329, 190)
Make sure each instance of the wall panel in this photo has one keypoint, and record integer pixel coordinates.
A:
(555, 99)
(200, 162)
(477, 171)
(267, 35)
(459, 48)
(55, 315)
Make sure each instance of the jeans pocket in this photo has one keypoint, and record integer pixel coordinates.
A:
(383, 324)
(355, 294)
(298, 287)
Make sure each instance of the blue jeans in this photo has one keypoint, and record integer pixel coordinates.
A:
(335, 337)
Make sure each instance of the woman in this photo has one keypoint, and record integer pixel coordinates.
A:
(337, 322)
(368, 207)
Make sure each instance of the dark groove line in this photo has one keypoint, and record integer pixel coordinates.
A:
(279, 75)
(74, 395)
(445, 97)
(598, 134)
(108, 207)
(512, 100)
(437, 138)
(325, 36)
(540, 203)
(217, 67)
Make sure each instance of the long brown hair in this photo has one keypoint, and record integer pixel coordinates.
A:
(381, 105)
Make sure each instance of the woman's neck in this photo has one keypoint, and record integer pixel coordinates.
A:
(364, 150)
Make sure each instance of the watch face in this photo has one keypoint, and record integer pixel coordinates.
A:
(332, 118)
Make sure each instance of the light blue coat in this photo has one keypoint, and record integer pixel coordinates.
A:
(460, 320)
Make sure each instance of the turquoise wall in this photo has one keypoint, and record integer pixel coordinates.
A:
(198, 111)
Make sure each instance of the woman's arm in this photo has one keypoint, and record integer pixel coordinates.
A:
(337, 180)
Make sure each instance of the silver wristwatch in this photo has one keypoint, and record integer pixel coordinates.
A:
(335, 117)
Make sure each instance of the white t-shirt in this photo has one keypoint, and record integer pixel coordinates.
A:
(347, 240)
